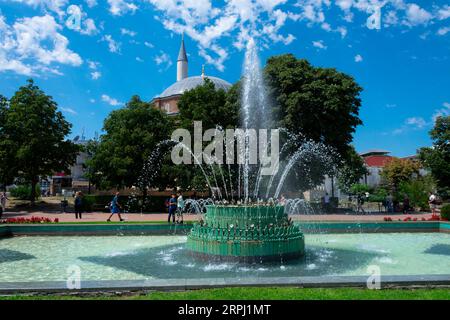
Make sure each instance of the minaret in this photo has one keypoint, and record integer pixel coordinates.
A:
(182, 62)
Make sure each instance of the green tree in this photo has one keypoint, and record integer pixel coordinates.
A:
(210, 105)
(213, 107)
(437, 158)
(319, 104)
(398, 171)
(132, 134)
(35, 133)
(417, 190)
(322, 104)
(6, 147)
(352, 170)
(359, 189)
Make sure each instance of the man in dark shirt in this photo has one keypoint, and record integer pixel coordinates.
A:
(172, 208)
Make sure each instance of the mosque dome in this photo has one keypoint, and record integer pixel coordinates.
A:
(167, 101)
(189, 83)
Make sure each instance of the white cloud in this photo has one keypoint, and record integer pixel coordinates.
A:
(120, 7)
(412, 123)
(93, 65)
(163, 60)
(319, 44)
(139, 59)
(312, 10)
(56, 6)
(342, 31)
(358, 58)
(207, 21)
(443, 31)
(392, 12)
(91, 3)
(111, 101)
(237, 20)
(444, 12)
(148, 44)
(113, 45)
(443, 112)
(416, 15)
(34, 45)
(69, 110)
(89, 27)
(390, 18)
(127, 32)
(416, 122)
(96, 75)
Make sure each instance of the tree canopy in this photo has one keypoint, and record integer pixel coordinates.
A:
(351, 171)
(131, 134)
(322, 104)
(399, 170)
(213, 107)
(34, 136)
(207, 104)
(437, 158)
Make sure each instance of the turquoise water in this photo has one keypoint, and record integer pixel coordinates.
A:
(162, 257)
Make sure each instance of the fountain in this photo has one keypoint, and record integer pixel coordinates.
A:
(248, 232)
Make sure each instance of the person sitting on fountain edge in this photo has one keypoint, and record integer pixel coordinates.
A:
(115, 207)
(172, 208)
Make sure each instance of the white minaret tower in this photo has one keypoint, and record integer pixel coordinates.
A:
(182, 62)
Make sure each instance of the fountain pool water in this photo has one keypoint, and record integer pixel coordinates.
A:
(39, 258)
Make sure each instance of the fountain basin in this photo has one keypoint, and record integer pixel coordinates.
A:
(246, 234)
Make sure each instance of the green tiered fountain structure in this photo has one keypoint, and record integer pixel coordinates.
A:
(246, 234)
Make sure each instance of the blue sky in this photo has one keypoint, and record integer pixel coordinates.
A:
(93, 55)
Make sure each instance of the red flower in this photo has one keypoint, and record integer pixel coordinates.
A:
(32, 219)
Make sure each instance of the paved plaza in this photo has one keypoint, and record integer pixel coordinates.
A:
(135, 217)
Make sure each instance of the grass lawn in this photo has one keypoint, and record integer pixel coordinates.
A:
(266, 294)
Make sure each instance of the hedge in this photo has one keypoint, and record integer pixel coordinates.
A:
(23, 192)
(445, 211)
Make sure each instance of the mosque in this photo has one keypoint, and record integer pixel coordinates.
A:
(167, 101)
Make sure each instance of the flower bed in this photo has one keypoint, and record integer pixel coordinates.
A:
(29, 220)
(434, 217)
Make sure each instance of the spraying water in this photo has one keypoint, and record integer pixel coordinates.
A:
(255, 108)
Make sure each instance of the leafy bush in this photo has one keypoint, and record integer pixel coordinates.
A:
(445, 211)
(23, 192)
(417, 191)
(359, 189)
(378, 195)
